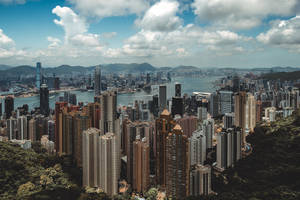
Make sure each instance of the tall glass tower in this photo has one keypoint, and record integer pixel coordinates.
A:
(38, 75)
(97, 79)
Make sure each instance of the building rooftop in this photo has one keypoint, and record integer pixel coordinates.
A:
(165, 112)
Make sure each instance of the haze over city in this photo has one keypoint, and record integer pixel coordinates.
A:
(202, 33)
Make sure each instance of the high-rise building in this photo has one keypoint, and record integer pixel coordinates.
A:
(38, 75)
(51, 130)
(141, 165)
(109, 163)
(22, 128)
(188, 124)
(200, 180)
(97, 79)
(32, 129)
(91, 162)
(132, 131)
(177, 106)
(208, 127)
(228, 120)
(214, 104)
(202, 113)
(236, 84)
(245, 113)
(197, 148)
(12, 128)
(225, 102)
(44, 100)
(177, 165)
(9, 106)
(164, 125)
(229, 143)
(177, 90)
(162, 97)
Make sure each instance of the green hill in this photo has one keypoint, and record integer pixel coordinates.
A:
(283, 76)
(271, 172)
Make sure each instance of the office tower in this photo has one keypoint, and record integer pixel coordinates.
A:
(229, 143)
(32, 129)
(109, 163)
(177, 165)
(236, 84)
(228, 120)
(109, 121)
(11, 128)
(164, 125)
(22, 128)
(51, 130)
(9, 106)
(44, 100)
(177, 90)
(188, 124)
(162, 97)
(148, 79)
(197, 148)
(200, 180)
(177, 106)
(202, 113)
(270, 114)
(225, 102)
(154, 106)
(245, 113)
(56, 83)
(214, 104)
(208, 127)
(38, 75)
(141, 165)
(97, 79)
(72, 99)
(91, 157)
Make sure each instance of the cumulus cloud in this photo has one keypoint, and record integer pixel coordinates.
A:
(5, 41)
(161, 17)
(54, 42)
(12, 1)
(104, 8)
(283, 33)
(242, 14)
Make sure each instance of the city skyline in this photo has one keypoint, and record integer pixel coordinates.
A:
(164, 33)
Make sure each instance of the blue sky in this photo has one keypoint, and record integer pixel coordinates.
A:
(203, 33)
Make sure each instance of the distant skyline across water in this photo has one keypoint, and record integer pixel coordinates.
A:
(189, 85)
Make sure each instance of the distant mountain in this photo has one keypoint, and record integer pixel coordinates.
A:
(128, 68)
(15, 72)
(185, 69)
(65, 69)
(283, 76)
(4, 67)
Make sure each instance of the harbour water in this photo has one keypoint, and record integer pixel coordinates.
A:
(189, 85)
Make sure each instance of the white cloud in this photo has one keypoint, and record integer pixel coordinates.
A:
(5, 41)
(12, 1)
(283, 33)
(54, 42)
(109, 35)
(106, 8)
(242, 14)
(161, 17)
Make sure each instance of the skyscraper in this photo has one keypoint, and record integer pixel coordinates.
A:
(228, 120)
(225, 102)
(38, 75)
(9, 106)
(177, 106)
(97, 79)
(162, 97)
(197, 148)
(214, 104)
(91, 157)
(177, 166)
(22, 128)
(164, 125)
(200, 180)
(208, 127)
(177, 90)
(44, 100)
(141, 165)
(109, 163)
(229, 143)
